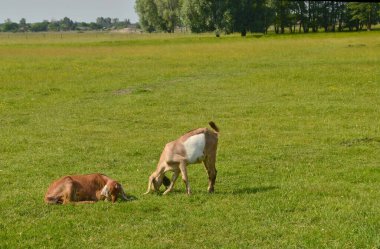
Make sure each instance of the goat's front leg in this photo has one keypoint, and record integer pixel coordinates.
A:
(183, 168)
(174, 178)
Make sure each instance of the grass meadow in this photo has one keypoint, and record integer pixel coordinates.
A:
(299, 150)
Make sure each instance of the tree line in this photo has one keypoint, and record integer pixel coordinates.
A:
(65, 24)
(256, 15)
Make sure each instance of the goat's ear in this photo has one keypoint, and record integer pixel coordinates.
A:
(116, 186)
(166, 181)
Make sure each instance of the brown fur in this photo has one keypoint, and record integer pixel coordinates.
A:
(173, 158)
(84, 188)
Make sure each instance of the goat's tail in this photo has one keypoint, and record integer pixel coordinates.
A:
(213, 125)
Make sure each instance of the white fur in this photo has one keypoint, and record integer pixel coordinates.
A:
(105, 191)
(194, 147)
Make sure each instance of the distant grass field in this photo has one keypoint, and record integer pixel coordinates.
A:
(299, 152)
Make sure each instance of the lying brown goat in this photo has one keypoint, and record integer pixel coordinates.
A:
(84, 188)
(196, 146)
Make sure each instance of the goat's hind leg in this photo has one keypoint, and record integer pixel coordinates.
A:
(69, 193)
(211, 171)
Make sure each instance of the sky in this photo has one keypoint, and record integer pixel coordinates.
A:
(76, 10)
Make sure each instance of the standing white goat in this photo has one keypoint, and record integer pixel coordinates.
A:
(196, 146)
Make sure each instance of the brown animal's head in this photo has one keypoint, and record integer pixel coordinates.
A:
(111, 191)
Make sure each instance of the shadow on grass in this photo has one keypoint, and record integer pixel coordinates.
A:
(253, 190)
(131, 198)
(360, 141)
(246, 190)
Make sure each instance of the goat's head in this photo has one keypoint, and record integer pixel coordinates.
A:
(111, 191)
(158, 181)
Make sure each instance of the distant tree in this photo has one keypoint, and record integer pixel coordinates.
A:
(364, 13)
(162, 15)
(324, 15)
(39, 26)
(228, 23)
(100, 21)
(117, 24)
(82, 26)
(341, 11)
(10, 26)
(95, 26)
(269, 15)
(105, 23)
(54, 25)
(23, 26)
(243, 12)
(293, 15)
(169, 14)
(282, 16)
(261, 12)
(148, 15)
(115, 21)
(329, 15)
(66, 24)
(197, 15)
(227, 15)
(314, 15)
(302, 16)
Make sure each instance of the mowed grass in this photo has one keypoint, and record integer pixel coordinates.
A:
(299, 150)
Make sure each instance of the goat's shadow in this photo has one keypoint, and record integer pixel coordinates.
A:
(131, 198)
(241, 191)
(252, 190)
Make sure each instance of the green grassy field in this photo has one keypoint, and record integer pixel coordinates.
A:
(299, 150)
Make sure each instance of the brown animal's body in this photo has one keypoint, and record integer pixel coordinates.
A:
(196, 146)
(84, 188)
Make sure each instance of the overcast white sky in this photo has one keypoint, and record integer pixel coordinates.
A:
(77, 10)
